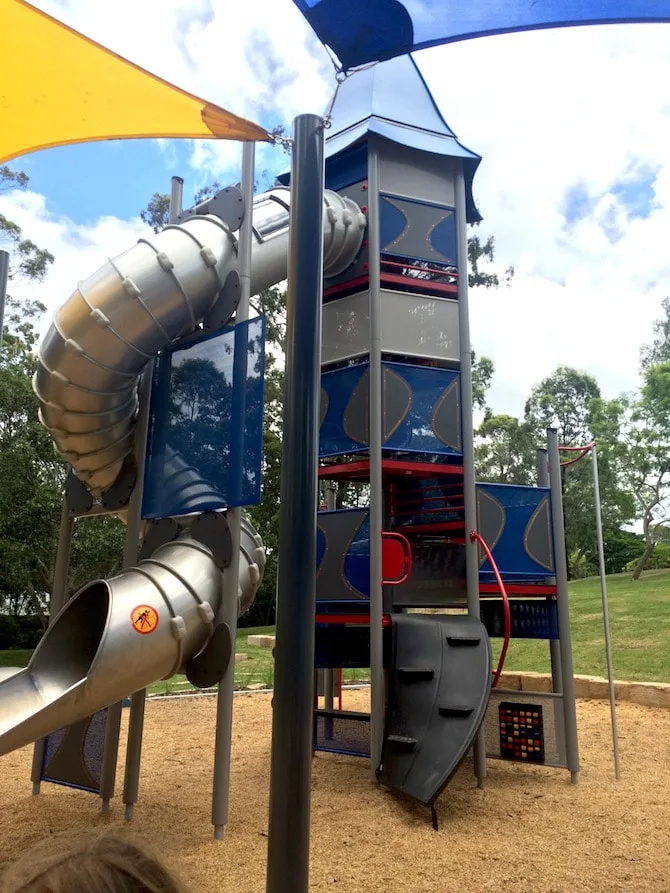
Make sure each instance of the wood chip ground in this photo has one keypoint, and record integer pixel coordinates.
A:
(529, 830)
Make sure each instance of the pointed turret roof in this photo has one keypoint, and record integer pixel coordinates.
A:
(392, 100)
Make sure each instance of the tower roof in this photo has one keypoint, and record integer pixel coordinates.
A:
(392, 100)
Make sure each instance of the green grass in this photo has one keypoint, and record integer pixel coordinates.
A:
(256, 670)
(639, 624)
(18, 657)
(639, 621)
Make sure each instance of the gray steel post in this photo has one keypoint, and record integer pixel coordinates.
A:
(329, 674)
(377, 692)
(291, 760)
(131, 547)
(4, 276)
(130, 550)
(565, 640)
(606, 619)
(176, 198)
(554, 648)
(229, 608)
(110, 755)
(58, 598)
(468, 436)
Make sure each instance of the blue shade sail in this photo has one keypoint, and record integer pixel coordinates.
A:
(361, 31)
(205, 443)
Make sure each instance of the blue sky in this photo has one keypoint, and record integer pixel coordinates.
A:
(573, 126)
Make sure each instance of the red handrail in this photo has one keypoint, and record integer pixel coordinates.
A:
(477, 537)
(582, 450)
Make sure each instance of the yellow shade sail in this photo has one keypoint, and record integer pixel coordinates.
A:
(59, 87)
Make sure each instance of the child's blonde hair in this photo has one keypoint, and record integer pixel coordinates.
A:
(101, 864)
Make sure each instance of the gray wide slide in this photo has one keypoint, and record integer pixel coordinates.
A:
(117, 636)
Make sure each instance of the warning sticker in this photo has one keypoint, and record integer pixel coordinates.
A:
(144, 619)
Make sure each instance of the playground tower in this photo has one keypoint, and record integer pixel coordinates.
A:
(397, 434)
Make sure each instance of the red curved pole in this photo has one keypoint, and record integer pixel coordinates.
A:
(477, 537)
(582, 450)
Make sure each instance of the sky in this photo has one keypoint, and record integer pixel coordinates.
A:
(573, 126)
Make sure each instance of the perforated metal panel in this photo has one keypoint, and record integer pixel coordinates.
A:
(339, 731)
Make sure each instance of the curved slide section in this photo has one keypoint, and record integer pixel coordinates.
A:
(118, 636)
(136, 304)
(115, 637)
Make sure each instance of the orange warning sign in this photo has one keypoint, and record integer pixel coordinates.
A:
(144, 619)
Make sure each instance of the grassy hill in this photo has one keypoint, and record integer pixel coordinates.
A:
(639, 620)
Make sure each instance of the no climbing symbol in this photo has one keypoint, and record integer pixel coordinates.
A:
(144, 619)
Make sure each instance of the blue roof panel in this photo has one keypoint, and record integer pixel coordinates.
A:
(361, 31)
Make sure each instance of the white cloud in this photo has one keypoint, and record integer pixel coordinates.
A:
(79, 250)
(547, 111)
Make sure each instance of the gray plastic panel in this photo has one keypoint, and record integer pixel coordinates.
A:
(412, 325)
(434, 180)
(440, 684)
(552, 714)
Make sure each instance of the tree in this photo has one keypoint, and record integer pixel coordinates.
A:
(659, 349)
(27, 261)
(506, 452)
(482, 375)
(479, 253)
(644, 456)
(562, 401)
(569, 400)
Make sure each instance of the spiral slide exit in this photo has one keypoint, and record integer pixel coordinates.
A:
(118, 636)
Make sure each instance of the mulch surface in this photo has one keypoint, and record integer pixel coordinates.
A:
(530, 830)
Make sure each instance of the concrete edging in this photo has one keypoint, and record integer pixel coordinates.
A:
(647, 694)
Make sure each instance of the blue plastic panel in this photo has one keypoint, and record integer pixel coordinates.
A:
(422, 410)
(531, 618)
(417, 230)
(515, 521)
(206, 424)
(359, 32)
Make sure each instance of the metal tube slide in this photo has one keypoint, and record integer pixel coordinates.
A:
(116, 321)
(117, 636)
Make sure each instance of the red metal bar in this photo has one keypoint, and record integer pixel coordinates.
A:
(539, 590)
(360, 470)
(581, 450)
(350, 619)
(440, 527)
(436, 511)
(407, 556)
(477, 537)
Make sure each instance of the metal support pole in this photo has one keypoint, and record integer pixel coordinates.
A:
(377, 686)
(606, 619)
(291, 761)
(467, 425)
(58, 598)
(230, 606)
(4, 276)
(565, 637)
(554, 648)
(131, 547)
(110, 755)
(329, 674)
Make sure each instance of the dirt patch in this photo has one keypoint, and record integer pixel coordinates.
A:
(529, 830)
